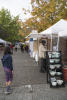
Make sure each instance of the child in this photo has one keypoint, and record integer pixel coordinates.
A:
(8, 68)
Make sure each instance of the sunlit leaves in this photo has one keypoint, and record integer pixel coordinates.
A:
(45, 13)
(50, 12)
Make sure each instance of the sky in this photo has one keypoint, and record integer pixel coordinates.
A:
(15, 7)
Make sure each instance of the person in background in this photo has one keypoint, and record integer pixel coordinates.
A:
(26, 48)
(8, 68)
(16, 47)
(42, 56)
(21, 47)
(24, 45)
(11, 47)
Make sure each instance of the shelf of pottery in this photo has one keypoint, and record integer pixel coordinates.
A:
(54, 69)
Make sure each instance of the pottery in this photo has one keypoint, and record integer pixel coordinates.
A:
(57, 60)
(52, 73)
(50, 55)
(59, 82)
(58, 66)
(53, 79)
(58, 73)
(52, 66)
(54, 83)
(51, 61)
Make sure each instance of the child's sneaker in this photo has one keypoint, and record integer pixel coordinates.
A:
(7, 92)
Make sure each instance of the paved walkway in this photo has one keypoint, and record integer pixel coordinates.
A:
(29, 83)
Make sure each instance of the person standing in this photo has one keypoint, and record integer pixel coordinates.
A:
(21, 47)
(8, 68)
(26, 48)
(11, 47)
(16, 47)
(42, 56)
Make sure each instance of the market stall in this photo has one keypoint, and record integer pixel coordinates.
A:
(55, 75)
(2, 41)
(35, 36)
(57, 33)
(2, 44)
(57, 30)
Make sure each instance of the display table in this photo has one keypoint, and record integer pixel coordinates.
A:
(54, 69)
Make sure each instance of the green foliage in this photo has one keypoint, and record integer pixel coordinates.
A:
(9, 25)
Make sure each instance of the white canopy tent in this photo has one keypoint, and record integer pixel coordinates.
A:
(60, 26)
(2, 41)
(27, 41)
(35, 35)
(59, 29)
(63, 34)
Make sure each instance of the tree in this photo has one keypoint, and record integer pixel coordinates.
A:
(48, 12)
(9, 25)
(44, 14)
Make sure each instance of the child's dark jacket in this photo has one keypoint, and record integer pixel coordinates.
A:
(7, 61)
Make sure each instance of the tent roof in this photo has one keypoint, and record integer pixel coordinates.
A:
(63, 34)
(27, 41)
(58, 28)
(2, 41)
(34, 34)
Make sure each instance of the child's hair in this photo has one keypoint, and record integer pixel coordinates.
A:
(7, 50)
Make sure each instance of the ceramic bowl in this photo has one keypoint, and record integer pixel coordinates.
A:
(53, 56)
(54, 83)
(52, 66)
(51, 61)
(53, 79)
(57, 60)
(58, 73)
(50, 55)
(59, 82)
(57, 56)
(52, 73)
(58, 66)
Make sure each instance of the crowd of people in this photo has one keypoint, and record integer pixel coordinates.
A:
(14, 47)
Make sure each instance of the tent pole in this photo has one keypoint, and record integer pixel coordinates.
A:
(51, 42)
(38, 46)
(58, 43)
